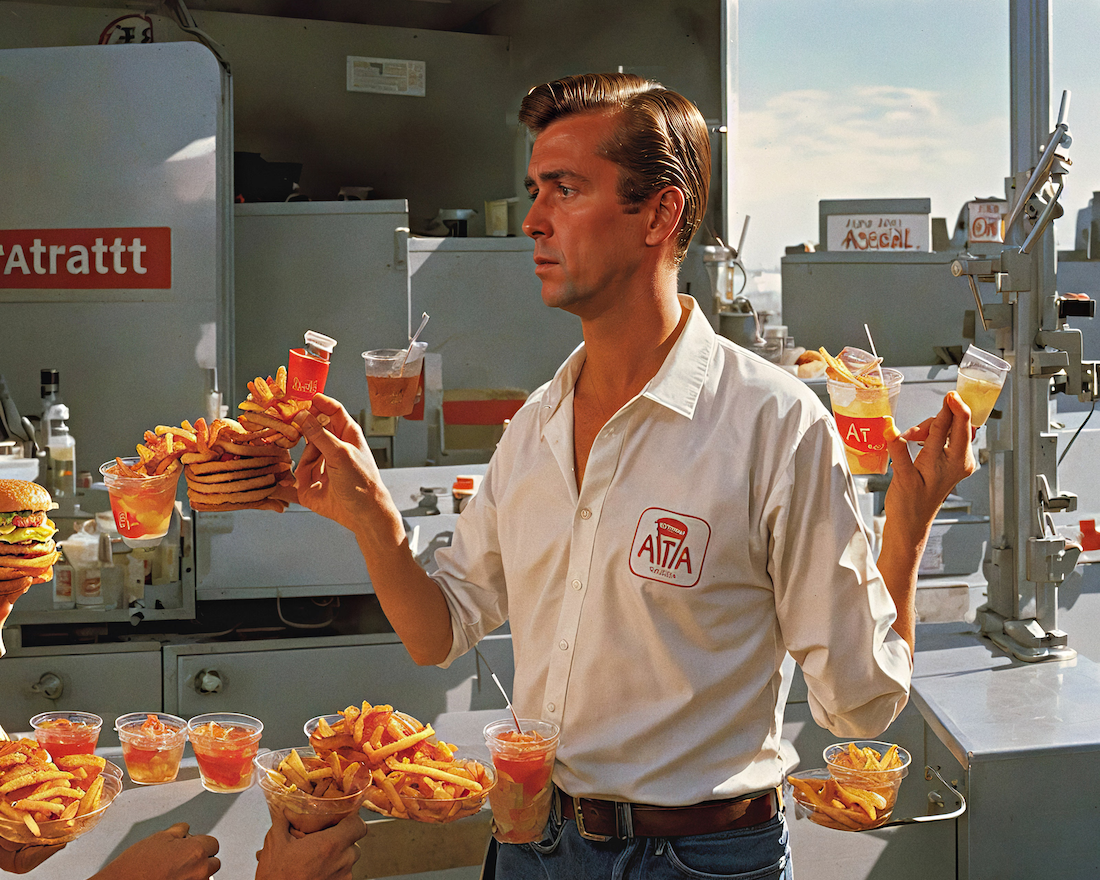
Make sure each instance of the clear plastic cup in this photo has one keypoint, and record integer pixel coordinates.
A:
(152, 745)
(524, 763)
(392, 379)
(67, 733)
(981, 377)
(142, 505)
(225, 744)
(862, 414)
(885, 783)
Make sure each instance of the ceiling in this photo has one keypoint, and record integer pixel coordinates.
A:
(439, 15)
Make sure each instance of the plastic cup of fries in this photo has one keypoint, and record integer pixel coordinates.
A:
(864, 400)
(39, 800)
(409, 774)
(857, 789)
(152, 745)
(142, 503)
(525, 767)
(67, 733)
(225, 744)
(311, 791)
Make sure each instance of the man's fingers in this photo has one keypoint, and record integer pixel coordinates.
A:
(180, 829)
(961, 430)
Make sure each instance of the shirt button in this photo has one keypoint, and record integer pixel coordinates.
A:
(576, 585)
(564, 645)
(586, 513)
(550, 707)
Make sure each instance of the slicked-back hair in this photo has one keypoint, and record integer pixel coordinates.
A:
(660, 138)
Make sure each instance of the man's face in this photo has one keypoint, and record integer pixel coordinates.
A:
(588, 249)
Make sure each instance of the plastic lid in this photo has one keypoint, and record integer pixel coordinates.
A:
(58, 413)
(463, 484)
(319, 341)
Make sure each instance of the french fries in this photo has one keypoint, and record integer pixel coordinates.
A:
(410, 774)
(34, 790)
(859, 791)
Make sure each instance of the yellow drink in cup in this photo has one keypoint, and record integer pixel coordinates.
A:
(981, 377)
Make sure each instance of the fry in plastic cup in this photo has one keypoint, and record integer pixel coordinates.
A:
(152, 745)
(142, 505)
(981, 377)
(225, 743)
(525, 766)
(392, 379)
(862, 414)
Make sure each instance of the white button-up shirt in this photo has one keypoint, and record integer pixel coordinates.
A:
(717, 529)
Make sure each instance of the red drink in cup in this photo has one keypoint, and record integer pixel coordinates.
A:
(392, 378)
(307, 369)
(67, 733)
(525, 766)
(225, 744)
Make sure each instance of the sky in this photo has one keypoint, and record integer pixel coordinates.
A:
(852, 99)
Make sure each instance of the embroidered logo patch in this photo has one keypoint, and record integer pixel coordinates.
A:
(669, 547)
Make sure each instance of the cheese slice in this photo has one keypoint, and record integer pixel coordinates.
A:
(12, 535)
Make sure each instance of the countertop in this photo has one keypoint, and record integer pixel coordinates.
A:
(240, 821)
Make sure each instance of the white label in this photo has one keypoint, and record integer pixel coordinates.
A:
(931, 562)
(857, 233)
(388, 76)
(985, 221)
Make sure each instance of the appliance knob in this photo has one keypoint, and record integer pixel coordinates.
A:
(208, 681)
(50, 686)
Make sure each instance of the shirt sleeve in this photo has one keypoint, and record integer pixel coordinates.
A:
(470, 573)
(833, 607)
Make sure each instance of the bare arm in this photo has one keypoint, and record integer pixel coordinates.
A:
(917, 490)
(337, 478)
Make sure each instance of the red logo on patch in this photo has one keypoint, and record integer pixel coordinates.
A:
(137, 258)
(669, 547)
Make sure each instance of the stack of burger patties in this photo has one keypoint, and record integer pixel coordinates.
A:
(27, 548)
(242, 463)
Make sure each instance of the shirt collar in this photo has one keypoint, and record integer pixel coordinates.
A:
(678, 382)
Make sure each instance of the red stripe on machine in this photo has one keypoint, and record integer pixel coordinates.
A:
(95, 259)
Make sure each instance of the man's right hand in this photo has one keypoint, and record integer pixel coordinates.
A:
(336, 475)
(172, 854)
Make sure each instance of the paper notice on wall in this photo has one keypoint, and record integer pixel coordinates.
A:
(388, 76)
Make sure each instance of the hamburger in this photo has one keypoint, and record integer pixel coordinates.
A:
(27, 548)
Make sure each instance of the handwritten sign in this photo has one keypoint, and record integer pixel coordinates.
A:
(871, 233)
(986, 222)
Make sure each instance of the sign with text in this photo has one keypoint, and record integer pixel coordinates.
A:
(859, 233)
(86, 259)
(985, 223)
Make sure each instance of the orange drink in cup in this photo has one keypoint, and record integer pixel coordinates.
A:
(864, 399)
(142, 504)
(152, 745)
(393, 377)
(525, 764)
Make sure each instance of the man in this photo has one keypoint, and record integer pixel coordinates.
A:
(660, 524)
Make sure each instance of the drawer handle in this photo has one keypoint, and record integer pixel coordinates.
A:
(208, 681)
(50, 686)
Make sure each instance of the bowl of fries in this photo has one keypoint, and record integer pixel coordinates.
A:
(458, 788)
(409, 773)
(28, 821)
(312, 792)
(856, 790)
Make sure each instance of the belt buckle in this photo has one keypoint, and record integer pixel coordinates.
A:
(578, 814)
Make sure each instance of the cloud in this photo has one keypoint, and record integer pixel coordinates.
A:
(866, 141)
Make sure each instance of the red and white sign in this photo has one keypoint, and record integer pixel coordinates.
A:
(986, 219)
(669, 547)
(136, 258)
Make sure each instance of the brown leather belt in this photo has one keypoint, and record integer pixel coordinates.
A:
(604, 820)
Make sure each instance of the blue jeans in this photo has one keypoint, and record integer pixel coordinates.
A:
(761, 852)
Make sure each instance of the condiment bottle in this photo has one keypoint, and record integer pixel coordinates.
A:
(1090, 538)
(61, 470)
(307, 368)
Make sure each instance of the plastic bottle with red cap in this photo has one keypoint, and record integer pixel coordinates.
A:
(1090, 538)
(307, 369)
